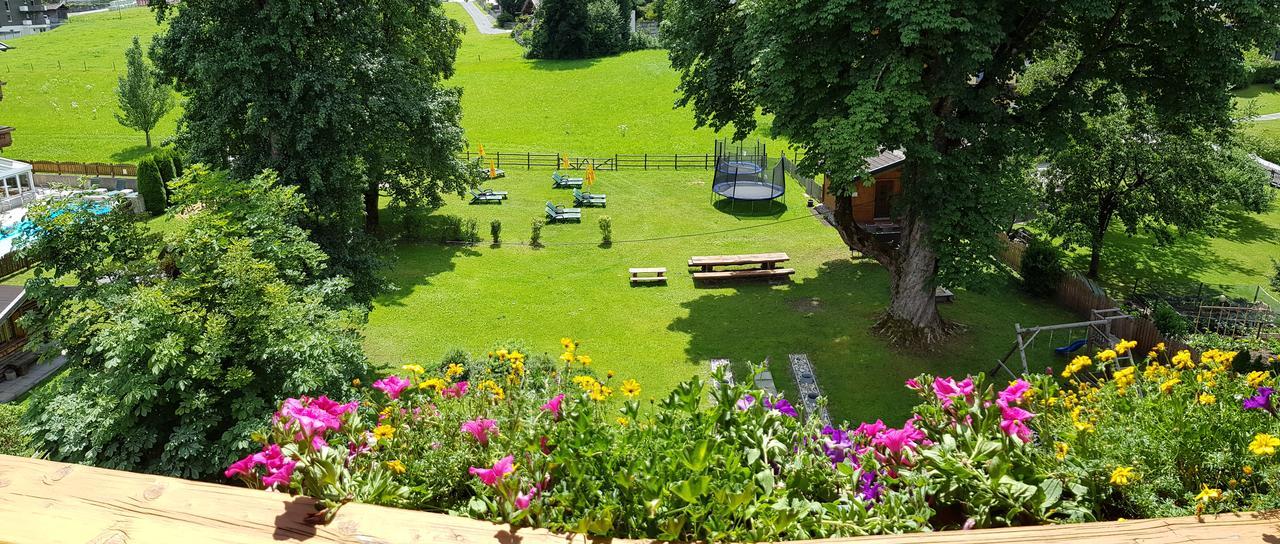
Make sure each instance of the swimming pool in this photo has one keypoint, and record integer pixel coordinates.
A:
(25, 225)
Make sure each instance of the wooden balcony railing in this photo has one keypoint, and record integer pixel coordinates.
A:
(49, 503)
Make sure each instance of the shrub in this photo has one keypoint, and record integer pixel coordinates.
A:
(1169, 321)
(164, 160)
(505, 19)
(606, 231)
(574, 29)
(151, 187)
(1275, 278)
(1041, 268)
(495, 231)
(413, 221)
(535, 232)
(641, 40)
(470, 231)
(12, 440)
(450, 229)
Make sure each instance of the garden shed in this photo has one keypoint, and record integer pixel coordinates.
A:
(873, 204)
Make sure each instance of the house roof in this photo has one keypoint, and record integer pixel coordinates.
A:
(11, 297)
(886, 160)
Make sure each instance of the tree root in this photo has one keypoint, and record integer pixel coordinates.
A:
(905, 334)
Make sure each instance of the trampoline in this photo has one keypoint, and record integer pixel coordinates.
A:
(741, 174)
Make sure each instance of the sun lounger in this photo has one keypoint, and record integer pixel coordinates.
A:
(556, 213)
(559, 181)
(587, 199)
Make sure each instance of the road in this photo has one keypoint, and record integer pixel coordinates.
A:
(484, 23)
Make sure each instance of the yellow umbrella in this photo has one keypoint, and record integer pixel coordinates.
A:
(493, 169)
(564, 162)
(591, 174)
(481, 151)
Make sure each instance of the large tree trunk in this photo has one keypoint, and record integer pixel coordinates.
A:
(371, 205)
(1098, 238)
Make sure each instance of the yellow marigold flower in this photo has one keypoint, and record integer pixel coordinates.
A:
(516, 356)
(1125, 377)
(454, 370)
(1123, 476)
(1256, 378)
(1080, 423)
(1125, 345)
(435, 384)
(609, 374)
(1208, 494)
(567, 357)
(1060, 450)
(395, 466)
(1151, 355)
(567, 343)
(355, 382)
(1107, 355)
(1167, 386)
(1154, 371)
(1247, 470)
(1076, 365)
(630, 388)
(501, 354)
(1206, 398)
(416, 369)
(599, 392)
(1183, 360)
(1264, 444)
(584, 360)
(384, 431)
(1159, 347)
(622, 421)
(1232, 483)
(586, 383)
(517, 368)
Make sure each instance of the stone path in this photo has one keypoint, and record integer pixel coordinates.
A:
(12, 389)
(807, 383)
(764, 381)
(484, 23)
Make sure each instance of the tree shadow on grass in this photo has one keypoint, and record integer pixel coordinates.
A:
(415, 264)
(1144, 263)
(1244, 227)
(132, 154)
(562, 65)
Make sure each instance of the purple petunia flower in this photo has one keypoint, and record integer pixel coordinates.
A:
(1261, 401)
(870, 489)
(745, 402)
(782, 406)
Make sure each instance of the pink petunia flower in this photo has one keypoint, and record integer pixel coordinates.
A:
(455, 391)
(1015, 392)
(913, 385)
(491, 476)
(553, 405)
(281, 475)
(871, 430)
(948, 390)
(479, 429)
(243, 466)
(392, 385)
(524, 499)
(1013, 421)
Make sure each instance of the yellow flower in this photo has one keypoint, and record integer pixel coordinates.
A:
(1247, 470)
(1154, 371)
(586, 383)
(516, 356)
(1125, 377)
(599, 392)
(395, 466)
(1107, 355)
(1125, 345)
(631, 388)
(454, 370)
(1076, 365)
(1167, 386)
(1256, 378)
(584, 360)
(1183, 360)
(1060, 450)
(1151, 355)
(501, 354)
(517, 367)
(1264, 444)
(609, 374)
(436, 384)
(622, 421)
(568, 343)
(1208, 494)
(1207, 398)
(1159, 347)
(1081, 424)
(416, 369)
(567, 357)
(355, 382)
(492, 387)
(384, 431)
(1123, 476)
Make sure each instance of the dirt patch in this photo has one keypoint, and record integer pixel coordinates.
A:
(806, 305)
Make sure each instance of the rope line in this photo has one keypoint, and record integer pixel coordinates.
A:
(663, 238)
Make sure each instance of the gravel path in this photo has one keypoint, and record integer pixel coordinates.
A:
(484, 23)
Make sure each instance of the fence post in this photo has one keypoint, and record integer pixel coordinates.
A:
(646, 161)
(615, 162)
(676, 162)
(1256, 293)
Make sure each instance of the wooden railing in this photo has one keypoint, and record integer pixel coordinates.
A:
(83, 169)
(49, 503)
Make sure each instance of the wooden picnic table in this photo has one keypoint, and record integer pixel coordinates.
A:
(765, 260)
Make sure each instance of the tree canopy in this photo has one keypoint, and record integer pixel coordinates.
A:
(177, 345)
(344, 99)
(939, 81)
(143, 99)
(1125, 167)
(576, 29)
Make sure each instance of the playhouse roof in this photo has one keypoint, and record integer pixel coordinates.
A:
(886, 160)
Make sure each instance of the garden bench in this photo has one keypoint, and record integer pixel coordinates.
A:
(556, 213)
(587, 199)
(942, 294)
(766, 266)
(487, 196)
(744, 274)
(559, 182)
(638, 275)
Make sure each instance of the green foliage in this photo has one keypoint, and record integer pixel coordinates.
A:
(470, 231)
(606, 230)
(12, 440)
(151, 186)
(199, 334)
(576, 29)
(1041, 268)
(360, 109)
(1258, 68)
(1275, 277)
(495, 231)
(1168, 321)
(535, 232)
(143, 99)
(1128, 167)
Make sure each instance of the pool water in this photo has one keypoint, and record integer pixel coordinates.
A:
(25, 225)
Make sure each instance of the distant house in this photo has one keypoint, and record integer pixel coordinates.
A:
(873, 204)
(29, 16)
(529, 7)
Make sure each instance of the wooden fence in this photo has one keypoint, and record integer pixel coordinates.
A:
(12, 264)
(529, 161)
(51, 503)
(83, 169)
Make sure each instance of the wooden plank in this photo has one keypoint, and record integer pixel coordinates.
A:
(743, 274)
(655, 270)
(734, 260)
(52, 503)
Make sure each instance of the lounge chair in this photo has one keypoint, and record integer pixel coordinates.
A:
(484, 198)
(587, 199)
(502, 194)
(558, 181)
(556, 213)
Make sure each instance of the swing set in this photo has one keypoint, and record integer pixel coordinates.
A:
(1097, 333)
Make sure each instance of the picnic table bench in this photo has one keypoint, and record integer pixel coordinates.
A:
(942, 294)
(765, 265)
(640, 275)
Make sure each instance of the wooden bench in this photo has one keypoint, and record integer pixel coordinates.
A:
(766, 266)
(942, 294)
(659, 275)
(744, 274)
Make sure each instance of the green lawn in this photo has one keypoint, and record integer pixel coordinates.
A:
(469, 297)
(1263, 97)
(60, 96)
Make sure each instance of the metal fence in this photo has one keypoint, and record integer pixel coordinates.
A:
(814, 188)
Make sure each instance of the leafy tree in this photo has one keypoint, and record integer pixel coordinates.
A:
(1041, 268)
(144, 100)
(177, 345)
(343, 98)
(1126, 167)
(575, 29)
(846, 79)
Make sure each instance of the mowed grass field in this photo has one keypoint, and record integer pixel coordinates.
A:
(472, 297)
(60, 95)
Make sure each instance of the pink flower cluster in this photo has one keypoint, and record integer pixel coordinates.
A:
(1012, 418)
(392, 385)
(554, 405)
(455, 391)
(314, 417)
(492, 475)
(279, 469)
(479, 428)
(949, 390)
